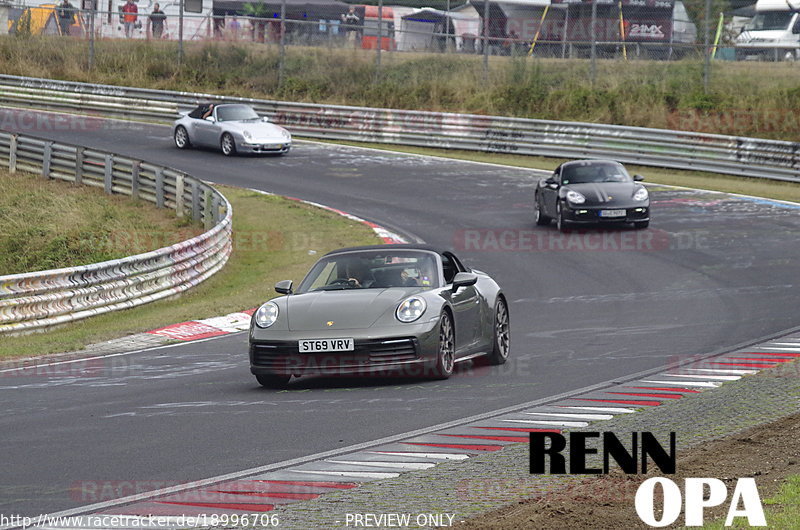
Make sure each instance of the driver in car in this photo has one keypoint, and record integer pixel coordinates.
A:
(358, 274)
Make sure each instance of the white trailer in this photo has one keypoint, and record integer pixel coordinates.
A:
(772, 34)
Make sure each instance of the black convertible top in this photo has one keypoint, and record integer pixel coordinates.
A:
(405, 246)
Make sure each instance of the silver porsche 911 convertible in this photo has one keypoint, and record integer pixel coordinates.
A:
(233, 128)
(407, 310)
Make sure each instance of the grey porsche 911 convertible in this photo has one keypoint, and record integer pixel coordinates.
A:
(406, 310)
(591, 192)
(232, 128)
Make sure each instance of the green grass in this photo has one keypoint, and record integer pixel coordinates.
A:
(49, 224)
(274, 239)
(748, 99)
(787, 191)
(781, 511)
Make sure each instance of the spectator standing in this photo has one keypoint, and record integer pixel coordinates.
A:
(157, 18)
(234, 27)
(66, 16)
(130, 14)
(351, 21)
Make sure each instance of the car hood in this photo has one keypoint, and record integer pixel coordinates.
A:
(605, 193)
(258, 129)
(347, 309)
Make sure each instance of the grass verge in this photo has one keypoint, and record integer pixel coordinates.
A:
(274, 239)
(752, 99)
(786, 191)
(50, 224)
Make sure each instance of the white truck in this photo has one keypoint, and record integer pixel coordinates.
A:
(772, 34)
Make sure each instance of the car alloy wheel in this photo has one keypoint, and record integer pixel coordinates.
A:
(502, 336)
(181, 137)
(446, 356)
(540, 218)
(228, 145)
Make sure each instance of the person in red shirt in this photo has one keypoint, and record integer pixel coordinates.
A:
(129, 17)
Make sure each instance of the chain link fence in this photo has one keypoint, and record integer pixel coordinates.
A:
(568, 29)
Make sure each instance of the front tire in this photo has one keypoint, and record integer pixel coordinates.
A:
(561, 223)
(502, 337)
(540, 218)
(227, 144)
(446, 354)
(181, 137)
(272, 380)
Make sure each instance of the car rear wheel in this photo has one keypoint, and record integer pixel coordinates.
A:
(182, 137)
(561, 223)
(272, 380)
(228, 145)
(540, 218)
(446, 356)
(641, 225)
(502, 337)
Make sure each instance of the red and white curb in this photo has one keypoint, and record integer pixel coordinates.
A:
(265, 491)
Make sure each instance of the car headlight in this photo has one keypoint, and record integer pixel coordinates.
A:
(410, 309)
(267, 314)
(286, 134)
(640, 195)
(575, 198)
(247, 135)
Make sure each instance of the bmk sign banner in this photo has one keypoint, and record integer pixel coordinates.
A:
(659, 501)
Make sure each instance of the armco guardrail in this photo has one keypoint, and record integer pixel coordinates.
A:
(37, 300)
(749, 157)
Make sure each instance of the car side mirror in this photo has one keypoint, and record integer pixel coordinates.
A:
(210, 118)
(264, 119)
(284, 287)
(550, 182)
(638, 178)
(464, 279)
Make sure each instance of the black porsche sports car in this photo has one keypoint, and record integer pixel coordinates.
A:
(592, 191)
(408, 310)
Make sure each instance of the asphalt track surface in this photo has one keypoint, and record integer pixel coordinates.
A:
(714, 272)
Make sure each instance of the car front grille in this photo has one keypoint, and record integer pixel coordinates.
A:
(285, 354)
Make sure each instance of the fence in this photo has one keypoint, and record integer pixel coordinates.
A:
(37, 300)
(742, 156)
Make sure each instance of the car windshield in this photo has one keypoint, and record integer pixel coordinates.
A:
(372, 270)
(594, 172)
(770, 20)
(236, 113)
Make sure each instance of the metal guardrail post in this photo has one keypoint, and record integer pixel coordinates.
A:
(208, 210)
(12, 153)
(135, 179)
(47, 156)
(179, 196)
(79, 166)
(108, 175)
(195, 201)
(159, 188)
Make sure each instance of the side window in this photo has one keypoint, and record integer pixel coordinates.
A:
(198, 112)
(449, 268)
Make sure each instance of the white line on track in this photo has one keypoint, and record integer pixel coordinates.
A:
(710, 377)
(572, 416)
(619, 410)
(435, 456)
(554, 423)
(398, 465)
(724, 371)
(706, 384)
(356, 474)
